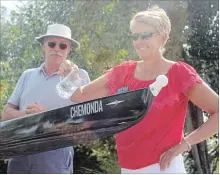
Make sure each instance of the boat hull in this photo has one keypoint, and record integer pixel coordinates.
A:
(74, 124)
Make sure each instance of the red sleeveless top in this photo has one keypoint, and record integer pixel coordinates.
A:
(142, 144)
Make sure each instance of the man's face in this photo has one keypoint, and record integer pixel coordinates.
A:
(56, 50)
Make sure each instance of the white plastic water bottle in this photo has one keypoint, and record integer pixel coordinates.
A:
(70, 83)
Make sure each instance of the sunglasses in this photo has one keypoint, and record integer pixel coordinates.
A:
(52, 44)
(143, 36)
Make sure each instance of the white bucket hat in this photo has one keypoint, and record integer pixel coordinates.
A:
(59, 30)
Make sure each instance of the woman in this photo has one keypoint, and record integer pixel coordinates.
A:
(155, 144)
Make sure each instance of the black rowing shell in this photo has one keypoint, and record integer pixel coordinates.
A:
(73, 124)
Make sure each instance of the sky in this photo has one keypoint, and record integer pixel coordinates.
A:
(10, 4)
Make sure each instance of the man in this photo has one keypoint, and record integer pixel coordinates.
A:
(35, 92)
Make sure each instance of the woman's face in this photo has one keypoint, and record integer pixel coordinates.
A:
(146, 40)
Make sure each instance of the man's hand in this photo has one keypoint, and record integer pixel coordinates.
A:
(66, 67)
(35, 108)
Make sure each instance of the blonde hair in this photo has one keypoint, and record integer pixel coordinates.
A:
(155, 17)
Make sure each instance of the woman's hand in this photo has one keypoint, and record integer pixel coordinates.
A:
(170, 154)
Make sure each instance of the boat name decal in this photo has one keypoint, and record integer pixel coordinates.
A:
(86, 109)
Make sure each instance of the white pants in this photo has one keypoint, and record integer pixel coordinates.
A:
(176, 167)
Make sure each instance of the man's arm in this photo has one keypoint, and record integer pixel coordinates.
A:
(11, 111)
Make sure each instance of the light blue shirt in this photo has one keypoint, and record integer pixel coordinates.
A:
(35, 85)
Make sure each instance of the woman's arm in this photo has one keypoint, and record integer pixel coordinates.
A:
(95, 89)
(205, 98)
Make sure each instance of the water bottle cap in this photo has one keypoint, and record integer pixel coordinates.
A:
(162, 80)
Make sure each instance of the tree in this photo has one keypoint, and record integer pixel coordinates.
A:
(202, 53)
(102, 28)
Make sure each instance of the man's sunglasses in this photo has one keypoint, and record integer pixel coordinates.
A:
(143, 36)
(52, 44)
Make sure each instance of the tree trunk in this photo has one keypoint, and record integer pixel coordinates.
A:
(200, 151)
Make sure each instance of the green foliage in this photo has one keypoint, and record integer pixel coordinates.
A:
(85, 162)
(102, 28)
(97, 157)
(203, 43)
(202, 52)
(105, 151)
(3, 167)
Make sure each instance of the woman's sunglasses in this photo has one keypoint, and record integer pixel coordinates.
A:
(143, 36)
(52, 44)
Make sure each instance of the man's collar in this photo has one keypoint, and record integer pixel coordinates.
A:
(42, 66)
(42, 69)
